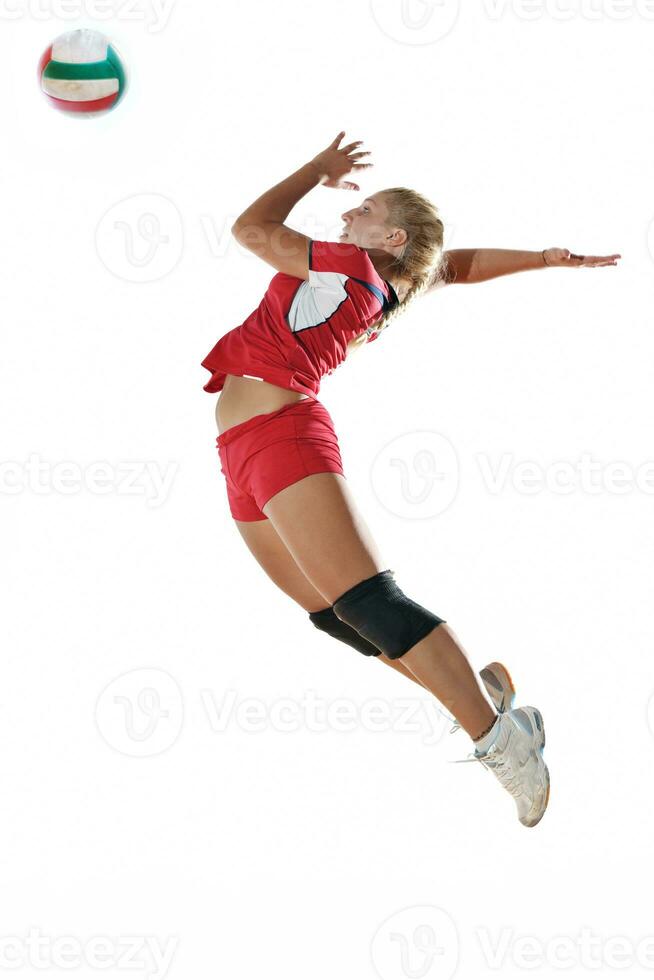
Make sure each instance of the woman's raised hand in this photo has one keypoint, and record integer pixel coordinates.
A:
(336, 162)
(566, 259)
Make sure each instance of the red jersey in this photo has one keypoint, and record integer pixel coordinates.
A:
(301, 329)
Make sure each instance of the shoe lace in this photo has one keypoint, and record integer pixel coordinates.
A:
(500, 766)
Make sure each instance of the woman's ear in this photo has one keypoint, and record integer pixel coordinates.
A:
(397, 238)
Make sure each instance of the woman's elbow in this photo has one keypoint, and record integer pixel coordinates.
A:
(248, 229)
(238, 226)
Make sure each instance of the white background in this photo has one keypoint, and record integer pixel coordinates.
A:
(257, 851)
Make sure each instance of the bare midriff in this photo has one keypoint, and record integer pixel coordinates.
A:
(242, 398)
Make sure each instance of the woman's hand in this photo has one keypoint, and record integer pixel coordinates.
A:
(565, 259)
(335, 163)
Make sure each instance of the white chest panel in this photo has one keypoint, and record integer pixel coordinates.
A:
(317, 299)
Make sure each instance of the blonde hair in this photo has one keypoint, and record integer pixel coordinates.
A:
(421, 260)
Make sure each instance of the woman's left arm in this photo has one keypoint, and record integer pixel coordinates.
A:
(469, 265)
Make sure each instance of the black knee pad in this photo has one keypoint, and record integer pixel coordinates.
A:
(327, 621)
(381, 613)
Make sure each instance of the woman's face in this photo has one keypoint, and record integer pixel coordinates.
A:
(365, 225)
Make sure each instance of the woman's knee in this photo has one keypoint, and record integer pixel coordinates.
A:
(328, 622)
(381, 613)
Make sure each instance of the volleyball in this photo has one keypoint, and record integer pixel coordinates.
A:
(81, 72)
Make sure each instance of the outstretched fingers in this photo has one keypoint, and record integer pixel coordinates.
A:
(348, 149)
(596, 260)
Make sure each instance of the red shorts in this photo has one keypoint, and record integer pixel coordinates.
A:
(264, 454)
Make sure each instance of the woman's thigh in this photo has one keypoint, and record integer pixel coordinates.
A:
(320, 525)
(267, 547)
(273, 556)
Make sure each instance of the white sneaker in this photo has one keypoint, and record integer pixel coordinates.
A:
(498, 683)
(516, 759)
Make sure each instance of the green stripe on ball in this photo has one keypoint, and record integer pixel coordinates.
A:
(119, 71)
(75, 72)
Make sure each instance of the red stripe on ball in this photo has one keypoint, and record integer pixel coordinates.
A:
(92, 105)
(45, 59)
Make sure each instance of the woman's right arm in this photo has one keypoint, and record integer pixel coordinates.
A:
(261, 227)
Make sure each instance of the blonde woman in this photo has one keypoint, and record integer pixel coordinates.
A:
(280, 456)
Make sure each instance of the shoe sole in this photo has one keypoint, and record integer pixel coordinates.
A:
(536, 717)
(499, 684)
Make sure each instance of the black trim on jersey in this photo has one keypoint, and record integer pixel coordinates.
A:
(386, 304)
(395, 299)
